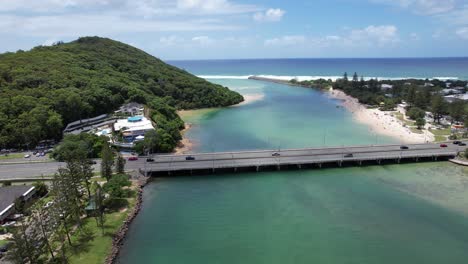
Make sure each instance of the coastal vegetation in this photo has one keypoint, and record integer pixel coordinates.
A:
(420, 98)
(43, 89)
(77, 218)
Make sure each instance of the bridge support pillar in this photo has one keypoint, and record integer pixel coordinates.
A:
(213, 170)
(417, 159)
(340, 163)
(398, 160)
(278, 167)
(299, 166)
(235, 169)
(319, 165)
(435, 158)
(379, 161)
(191, 172)
(257, 168)
(360, 163)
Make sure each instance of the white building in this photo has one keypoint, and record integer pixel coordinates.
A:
(133, 126)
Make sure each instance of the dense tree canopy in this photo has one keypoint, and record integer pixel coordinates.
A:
(43, 89)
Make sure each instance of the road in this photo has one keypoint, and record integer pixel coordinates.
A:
(236, 158)
(165, 163)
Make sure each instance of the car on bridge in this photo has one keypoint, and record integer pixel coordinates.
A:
(349, 155)
(276, 154)
(404, 147)
(461, 144)
(133, 158)
(456, 142)
(149, 159)
(190, 158)
(443, 145)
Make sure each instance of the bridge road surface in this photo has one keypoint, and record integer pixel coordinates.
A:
(29, 169)
(167, 163)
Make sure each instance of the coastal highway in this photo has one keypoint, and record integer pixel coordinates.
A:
(226, 160)
(235, 158)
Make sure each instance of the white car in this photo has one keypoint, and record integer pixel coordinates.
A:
(27, 156)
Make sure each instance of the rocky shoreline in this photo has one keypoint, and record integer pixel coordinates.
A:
(119, 237)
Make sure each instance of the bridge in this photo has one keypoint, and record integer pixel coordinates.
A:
(296, 158)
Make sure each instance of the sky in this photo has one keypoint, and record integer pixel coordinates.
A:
(234, 29)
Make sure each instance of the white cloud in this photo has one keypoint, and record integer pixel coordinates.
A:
(462, 33)
(286, 41)
(270, 15)
(171, 40)
(203, 40)
(371, 36)
(381, 35)
(423, 7)
(73, 26)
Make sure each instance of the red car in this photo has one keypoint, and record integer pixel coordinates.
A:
(133, 158)
(443, 145)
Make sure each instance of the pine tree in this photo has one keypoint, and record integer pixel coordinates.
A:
(120, 164)
(107, 161)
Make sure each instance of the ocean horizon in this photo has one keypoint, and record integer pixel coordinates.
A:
(443, 68)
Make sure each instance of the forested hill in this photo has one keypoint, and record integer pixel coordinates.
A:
(43, 89)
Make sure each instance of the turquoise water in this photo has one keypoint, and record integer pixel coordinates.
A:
(286, 117)
(413, 213)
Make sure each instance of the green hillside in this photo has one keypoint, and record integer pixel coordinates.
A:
(43, 89)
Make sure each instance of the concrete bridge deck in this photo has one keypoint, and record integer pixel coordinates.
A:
(296, 158)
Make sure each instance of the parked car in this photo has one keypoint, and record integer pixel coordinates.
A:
(149, 160)
(443, 145)
(349, 155)
(27, 156)
(190, 158)
(276, 154)
(35, 152)
(404, 147)
(456, 142)
(133, 158)
(461, 144)
(91, 162)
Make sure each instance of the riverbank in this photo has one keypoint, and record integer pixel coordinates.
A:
(381, 122)
(118, 238)
(186, 145)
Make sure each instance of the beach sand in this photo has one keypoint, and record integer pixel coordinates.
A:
(381, 122)
(185, 145)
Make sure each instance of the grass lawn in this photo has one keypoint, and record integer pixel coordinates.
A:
(3, 242)
(94, 248)
(441, 134)
(11, 156)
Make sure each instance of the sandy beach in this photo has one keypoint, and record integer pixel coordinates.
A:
(381, 122)
(185, 145)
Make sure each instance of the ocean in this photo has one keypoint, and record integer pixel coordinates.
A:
(395, 68)
(410, 213)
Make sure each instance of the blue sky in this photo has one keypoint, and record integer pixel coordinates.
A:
(220, 29)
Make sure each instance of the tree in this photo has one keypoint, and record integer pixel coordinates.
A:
(120, 164)
(25, 247)
(416, 113)
(457, 110)
(107, 161)
(438, 107)
(466, 153)
(420, 122)
(345, 77)
(99, 206)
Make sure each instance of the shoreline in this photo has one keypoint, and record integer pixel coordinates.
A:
(185, 145)
(380, 122)
(119, 237)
